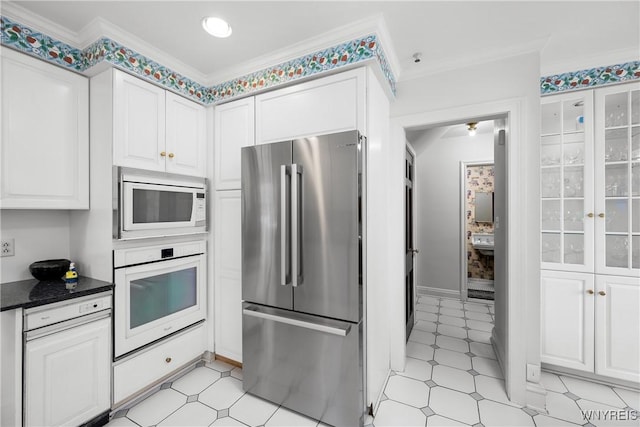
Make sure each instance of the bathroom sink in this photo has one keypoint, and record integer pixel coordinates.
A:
(483, 242)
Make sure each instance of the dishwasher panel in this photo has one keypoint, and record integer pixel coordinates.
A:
(67, 375)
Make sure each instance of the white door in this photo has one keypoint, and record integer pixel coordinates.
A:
(234, 129)
(45, 135)
(67, 375)
(618, 180)
(139, 123)
(228, 281)
(566, 300)
(618, 327)
(566, 187)
(186, 136)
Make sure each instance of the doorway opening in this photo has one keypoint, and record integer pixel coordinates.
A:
(476, 222)
(455, 202)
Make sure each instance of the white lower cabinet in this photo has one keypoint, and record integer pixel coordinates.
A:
(591, 323)
(228, 280)
(618, 327)
(567, 319)
(67, 379)
(148, 367)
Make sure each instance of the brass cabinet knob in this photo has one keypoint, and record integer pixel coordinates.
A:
(603, 293)
(171, 155)
(590, 215)
(601, 215)
(590, 291)
(168, 360)
(162, 153)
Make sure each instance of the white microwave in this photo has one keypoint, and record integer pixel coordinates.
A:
(158, 204)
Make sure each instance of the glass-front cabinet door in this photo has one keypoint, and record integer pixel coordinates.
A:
(618, 180)
(566, 182)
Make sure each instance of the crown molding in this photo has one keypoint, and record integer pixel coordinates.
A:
(617, 56)
(371, 25)
(99, 28)
(480, 58)
(95, 30)
(18, 13)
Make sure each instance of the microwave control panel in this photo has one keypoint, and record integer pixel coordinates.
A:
(200, 208)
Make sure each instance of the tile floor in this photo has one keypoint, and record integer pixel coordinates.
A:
(451, 378)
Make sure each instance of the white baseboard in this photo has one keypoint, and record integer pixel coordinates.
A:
(536, 397)
(438, 292)
(376, 404)
(611, 382)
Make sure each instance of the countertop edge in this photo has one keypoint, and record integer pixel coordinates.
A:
(97, 286)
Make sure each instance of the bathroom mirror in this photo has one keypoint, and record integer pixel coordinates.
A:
(484, 207)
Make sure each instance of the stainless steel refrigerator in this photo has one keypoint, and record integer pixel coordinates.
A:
(302, 290)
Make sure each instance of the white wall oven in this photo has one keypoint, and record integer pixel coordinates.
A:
(158, 290)
(157, 204)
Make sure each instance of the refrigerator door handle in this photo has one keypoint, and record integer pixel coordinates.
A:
(296, 225)
(285, 226)
(254, 311)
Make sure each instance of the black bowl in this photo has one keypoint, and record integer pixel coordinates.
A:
(51, 269)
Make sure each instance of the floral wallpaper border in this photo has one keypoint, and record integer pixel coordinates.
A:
(589, 78)
(25, 39)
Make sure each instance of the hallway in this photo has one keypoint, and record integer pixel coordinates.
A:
(451, 378)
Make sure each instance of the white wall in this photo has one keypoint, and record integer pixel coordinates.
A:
(437, 185)
(38, 234)
(510, 84)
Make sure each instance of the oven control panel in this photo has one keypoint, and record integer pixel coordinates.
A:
(133, 256)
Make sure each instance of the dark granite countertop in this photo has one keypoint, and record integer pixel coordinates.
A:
(33, 292)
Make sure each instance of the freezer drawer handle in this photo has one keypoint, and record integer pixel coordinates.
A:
(285, 226)
(343, 332)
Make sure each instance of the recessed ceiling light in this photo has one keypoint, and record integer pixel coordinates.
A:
(217, 27)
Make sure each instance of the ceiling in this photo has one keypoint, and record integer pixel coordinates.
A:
(448, 34)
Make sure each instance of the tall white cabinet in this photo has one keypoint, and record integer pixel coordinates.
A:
(590, 231)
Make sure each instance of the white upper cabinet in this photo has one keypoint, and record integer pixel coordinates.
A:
(328, 105)
(234, 129)
(157, 130)
(618, 180)
(186, 149)
(139, 123)
(45, 135)
(566, 187)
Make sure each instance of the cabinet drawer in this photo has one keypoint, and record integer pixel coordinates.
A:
(150, 366)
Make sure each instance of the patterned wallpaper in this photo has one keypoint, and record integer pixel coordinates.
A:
(479, 178)
(29, 41)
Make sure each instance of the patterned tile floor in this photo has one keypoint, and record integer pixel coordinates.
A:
(451, 378)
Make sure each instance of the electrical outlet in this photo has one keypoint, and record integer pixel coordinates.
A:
(8, 247)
